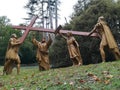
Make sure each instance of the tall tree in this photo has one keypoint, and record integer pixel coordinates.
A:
(47, 10)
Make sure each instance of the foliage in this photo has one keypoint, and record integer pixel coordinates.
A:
(95, 8)
(28, 50)
(85, 15)
(103, 76)
(26, 53)
(84, 18)
(45, 9)
(34, 6)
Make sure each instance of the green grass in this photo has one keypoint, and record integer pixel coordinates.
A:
(102, 76)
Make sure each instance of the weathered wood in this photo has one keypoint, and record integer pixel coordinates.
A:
(30, 28)
(52, 31)
(27, 29)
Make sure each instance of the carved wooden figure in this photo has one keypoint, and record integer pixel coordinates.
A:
(12, 56)
(42, 55)
(107, 39)
(31, 28)
(73, 48)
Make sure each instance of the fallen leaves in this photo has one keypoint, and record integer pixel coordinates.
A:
(96, 78)
(93, 77)
(82, 81)
(71, 83)
(89, 77)
(105, 72)
(90, 74)
(109, 76)
(106, 77)
(59, 83)
(107, 81)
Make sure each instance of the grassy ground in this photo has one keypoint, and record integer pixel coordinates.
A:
(102, 76)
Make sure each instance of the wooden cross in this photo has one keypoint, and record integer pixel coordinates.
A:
(30, 28)
(27, 29)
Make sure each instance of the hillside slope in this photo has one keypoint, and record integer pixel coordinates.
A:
(102, 76)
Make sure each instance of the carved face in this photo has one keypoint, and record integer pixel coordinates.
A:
(14, 36)
(43, 40)
(100, 18)
(69, 34)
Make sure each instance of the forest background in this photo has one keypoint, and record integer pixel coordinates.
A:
(84, 17)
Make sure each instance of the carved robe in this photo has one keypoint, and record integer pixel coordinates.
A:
(12, 51)
(42, 55)
(73, 49)
(12, 56)
(106, 33)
